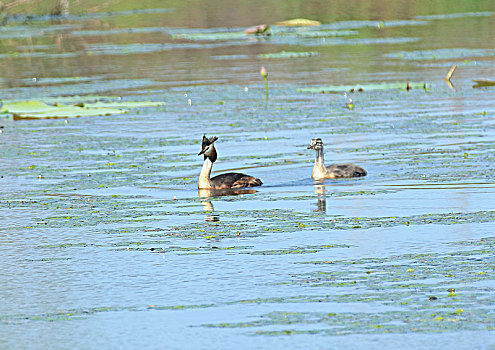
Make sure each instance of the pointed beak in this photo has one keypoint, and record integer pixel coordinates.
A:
(310, 147)
(202, 151)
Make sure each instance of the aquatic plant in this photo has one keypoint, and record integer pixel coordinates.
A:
(264, 74)
(41, 110)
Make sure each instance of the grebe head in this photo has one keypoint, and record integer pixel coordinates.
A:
(316, 144)
(207, 147)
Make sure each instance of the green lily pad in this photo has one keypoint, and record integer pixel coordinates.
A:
(357, 24)
(287, 54)
(364, 87)
(325, 33)
(210, 36)
(42, 110)
(75, 99)
(455, 15)
(124, 104)
(441, 54)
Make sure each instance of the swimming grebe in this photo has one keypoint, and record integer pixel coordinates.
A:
(223, 181)
(320, 171)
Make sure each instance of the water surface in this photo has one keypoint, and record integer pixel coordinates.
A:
(106, 242)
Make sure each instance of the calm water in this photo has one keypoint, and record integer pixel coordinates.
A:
(105, 242)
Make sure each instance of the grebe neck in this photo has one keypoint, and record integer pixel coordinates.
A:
(319, 157)
(204, 176)
(319, 169)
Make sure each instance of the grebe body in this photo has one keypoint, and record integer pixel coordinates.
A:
(334, 171)
(223, 181)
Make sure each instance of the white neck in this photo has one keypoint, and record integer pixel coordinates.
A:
(319, 169)
(204, 176)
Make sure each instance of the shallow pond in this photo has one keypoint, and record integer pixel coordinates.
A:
(105, 240)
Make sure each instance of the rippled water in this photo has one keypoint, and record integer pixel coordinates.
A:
(105, 242)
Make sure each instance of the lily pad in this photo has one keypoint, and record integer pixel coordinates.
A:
(298, 22)
(197, 36)
(41, 110)
(373, 24)
(124, 104)
(439, 54)
(364, 87)
(455, 15)
(325, 33)
(75, 99)
(288, 54)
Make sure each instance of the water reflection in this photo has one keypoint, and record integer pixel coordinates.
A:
(204, 193)
(208, 205)
(209, 209)
(322, 199)
(451, 85)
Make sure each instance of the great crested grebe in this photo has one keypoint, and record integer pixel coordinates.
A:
(320, 171)
(223, 181)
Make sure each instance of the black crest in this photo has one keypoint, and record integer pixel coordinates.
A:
(208, 141)
(204, 145)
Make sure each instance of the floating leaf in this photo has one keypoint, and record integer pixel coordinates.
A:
(210, 36)
(286, 54)
(125, 104)
(374, 24)
(455, 15)
(298, 22)
(324, 33)
(73, 99)
(440, 54)
(41, 110)
(365, 87)
(22, 107)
